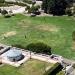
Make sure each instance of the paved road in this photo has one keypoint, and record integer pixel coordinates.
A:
(72, 73)
(70, 62)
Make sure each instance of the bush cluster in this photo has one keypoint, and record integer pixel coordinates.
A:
(33, 9)
(55, 7)
(4, 4)
(0, 10)
(27, 8)
(69, 12)
(73, 35)
(7, 16)
(2, 1)
(73, 65)
(4, 12)
(28, 1)
(15, 3)
(36, 47)
(39, 48)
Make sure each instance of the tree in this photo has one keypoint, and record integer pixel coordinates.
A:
(0, 10)
(4, 12)
(73, 35)
(44, 6)
(2, 1)
(69, 11)
(27, 1)
(56, 7)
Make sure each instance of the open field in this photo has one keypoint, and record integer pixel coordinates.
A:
(54, 31)
(31, 67)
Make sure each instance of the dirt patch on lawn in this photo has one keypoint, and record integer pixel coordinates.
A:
(50, 28)
(8, 34)
(69, 19)
(73, 18)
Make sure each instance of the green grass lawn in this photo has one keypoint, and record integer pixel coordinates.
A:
(31, 67)
(54, 31)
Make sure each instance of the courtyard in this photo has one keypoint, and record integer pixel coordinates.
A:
(19, 61)
(31, 67)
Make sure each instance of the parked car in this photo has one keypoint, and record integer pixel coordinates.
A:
(33, 15)
(57, 57)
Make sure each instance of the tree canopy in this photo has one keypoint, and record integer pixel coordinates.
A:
(39, 48)
(56, 7)
(2, 1)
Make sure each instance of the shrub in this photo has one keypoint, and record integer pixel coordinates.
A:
(2, 1)
(0, 10)
(34, 10)
(4, 12)
(69, 12)
(36, 47)
(73, 65)
(37, 12)
(61, 73)
(27, 1)
(7, 16)
(27, 7)
(39, 48)
(21, 4)
(4, 4)
(38, 6)
(15, 3)
(55, 7)
(73, 35)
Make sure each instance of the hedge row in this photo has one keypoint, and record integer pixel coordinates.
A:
(4, 4)
(28, 1)
(16, 3)
(54, 70)
(36, 47)
(39, 48)
(11, 3)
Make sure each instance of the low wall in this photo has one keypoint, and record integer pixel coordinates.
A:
(41, 58)
(54, 69)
